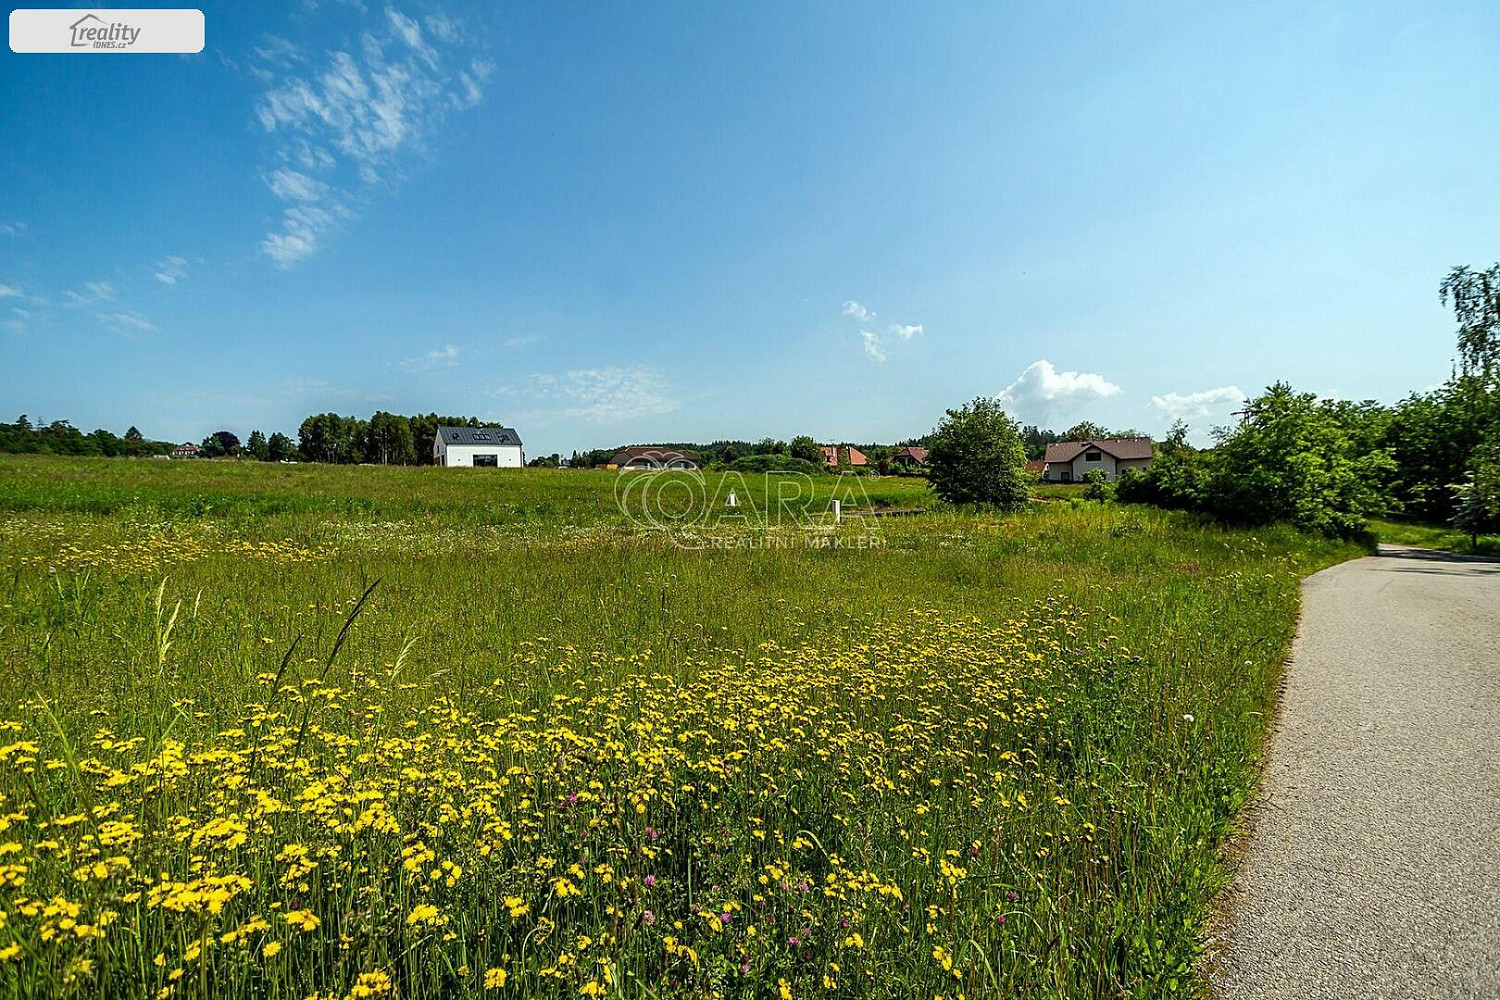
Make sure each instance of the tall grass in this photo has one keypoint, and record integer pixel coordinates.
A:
(989, 756)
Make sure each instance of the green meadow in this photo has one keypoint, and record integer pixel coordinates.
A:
(285, 731)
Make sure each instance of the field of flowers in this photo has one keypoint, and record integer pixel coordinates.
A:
(394, 749)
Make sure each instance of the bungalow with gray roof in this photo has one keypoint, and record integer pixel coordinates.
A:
(1071, 461)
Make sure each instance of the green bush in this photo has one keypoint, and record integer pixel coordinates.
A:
(1291, 458)
(774, 463)
(1180, 480)
(976, 456)
(1099, 487)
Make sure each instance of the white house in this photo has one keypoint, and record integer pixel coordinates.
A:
(477, 447)
(1071, 461)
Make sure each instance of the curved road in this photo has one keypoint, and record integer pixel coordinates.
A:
(1372, 865)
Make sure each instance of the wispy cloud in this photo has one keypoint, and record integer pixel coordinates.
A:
(274, 50)
(13, 229)
(127, 322)
(1186, 406)
(443, 357)
(93, 293)
(9, 291)
(18, 322)
(1042, 390)
(302, 387)
(170, 270)
(524, 340)
(859, 312)
(602, 395)
(344, 121)
(292, 185)
(874, 343)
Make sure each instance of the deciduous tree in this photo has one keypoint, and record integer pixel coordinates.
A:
(976, 456)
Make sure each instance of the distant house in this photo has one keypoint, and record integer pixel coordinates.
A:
(910, 458)
(477, 447)
(187, 450)
(833, 456)
(1036, 466)
(645, 456)
(1071, 461)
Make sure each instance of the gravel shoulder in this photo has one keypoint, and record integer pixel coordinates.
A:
(1371, 868)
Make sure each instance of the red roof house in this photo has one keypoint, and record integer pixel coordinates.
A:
(910, 457)
(834, 456)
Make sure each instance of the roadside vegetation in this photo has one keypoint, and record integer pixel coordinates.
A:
(1434, 536)
(277, 731)
(1330, 466)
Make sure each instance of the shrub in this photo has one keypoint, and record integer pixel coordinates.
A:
(1181, 480)
(1478, 498)
(976, 456)
(774, 463)
(1290, 459)
(1099, 487)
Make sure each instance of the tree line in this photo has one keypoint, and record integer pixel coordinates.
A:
(393, 439)
(59, 437)
(1323, 465)
(726, 452)
(1328, 465)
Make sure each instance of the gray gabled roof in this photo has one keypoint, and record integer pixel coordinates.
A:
(479, 435)
(1120, 448)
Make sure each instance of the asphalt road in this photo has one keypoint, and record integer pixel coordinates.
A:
(1372, 865)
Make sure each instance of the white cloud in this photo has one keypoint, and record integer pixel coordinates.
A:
(410, 32)
(873, 342)
(291, 185)
(301, 228)
(443, 357)
(170, 270)
(127, 322)
(524, 340)
(1186, 406)
(12, 228)
(93, 291)
(278, 51)
(471, 83)
(315, 388)
(859, 312)
(19, 321)
(9, 291)
(345, 121)
(604, 395)
(442, 27)
(1042, 390)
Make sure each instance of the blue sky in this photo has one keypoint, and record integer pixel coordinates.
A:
(605, 225)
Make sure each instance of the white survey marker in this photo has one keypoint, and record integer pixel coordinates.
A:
(105, 31)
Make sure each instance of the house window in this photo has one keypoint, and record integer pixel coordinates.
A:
(1067, 475)
(486, 461)
(1093, 456)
